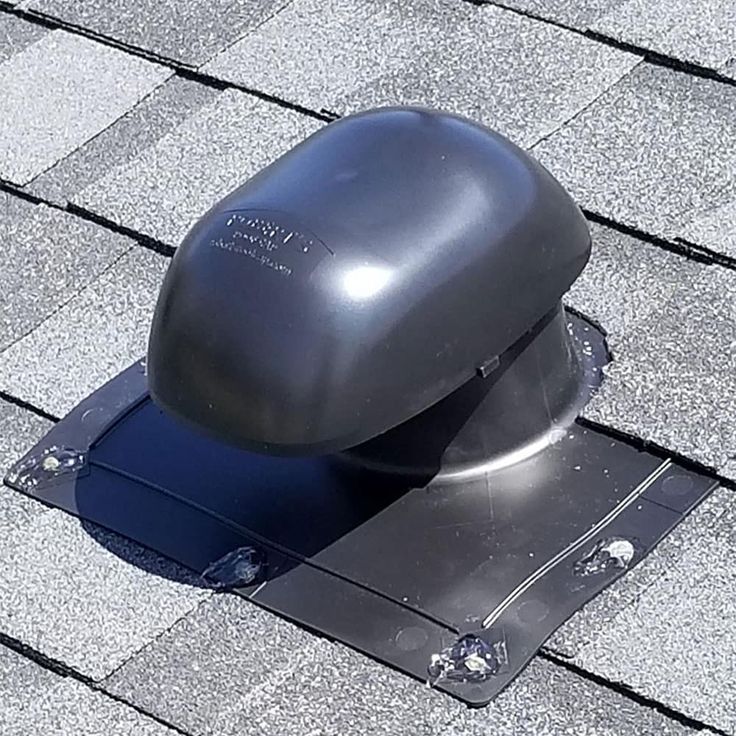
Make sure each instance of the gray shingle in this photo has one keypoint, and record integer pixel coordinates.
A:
(729, 70)
(34, 700)
(91, 339)
(69, 707)
(16, 510)
(729, 469)
(546, 700)
(670, 324)
(201, 674)
(19, 430)
(190, 31)
(699, 32)
(656, 147)
(494, 54)
(677, 642)
(21, 683)
(58, 253)
(85, 597)
(170, 185)
(597, 615)
(342, 693)
(58, 93)
(715, 228)
(16, 34)
(578, 14)
(673, 381)
(155, 116)
(317, 51)
(626, 281)
(454, 56)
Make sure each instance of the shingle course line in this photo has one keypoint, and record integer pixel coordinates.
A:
(179, 68)
(639, 699)
(649, 55)
(59, 668)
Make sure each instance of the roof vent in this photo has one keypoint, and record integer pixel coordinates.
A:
(363, 403)
(362, 279)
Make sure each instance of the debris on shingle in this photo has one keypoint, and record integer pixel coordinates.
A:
(58, 93)
(673, 381)
(90, 340)
(189, 31)
(202, 673)
(57, 706)
(676, 643)
(547, 700)
(626, 281)
(164, 190)
(596, 616)
(16, 34)
(578, 14)
(656, 147)
(155, 116)
(86, 597)
(57, 253)
(699, 32)
(452, 56)
(715, 228)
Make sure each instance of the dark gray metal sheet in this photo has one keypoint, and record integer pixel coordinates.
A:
(394, 571)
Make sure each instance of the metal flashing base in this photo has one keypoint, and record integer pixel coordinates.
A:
(458, 582)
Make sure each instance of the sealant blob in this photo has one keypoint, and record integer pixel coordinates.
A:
(44, 467)
(241, 566)
(469, 659)
(609, 554)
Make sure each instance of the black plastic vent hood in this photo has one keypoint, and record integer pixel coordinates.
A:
(358, 280)
(385, 301)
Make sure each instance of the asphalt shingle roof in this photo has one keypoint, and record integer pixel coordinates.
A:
(89, 340)
(356, 54)
(34, 700)
(16, 35)
(31, 234)
(577, 15)
(58, 93)
(165, 189)
(671, 326)
(164, 29)
(107, 156)
(103, 605)
(156, 115)
(702, 33)
(674, 643)
(669, 137)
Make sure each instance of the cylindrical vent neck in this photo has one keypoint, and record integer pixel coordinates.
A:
(530, 399)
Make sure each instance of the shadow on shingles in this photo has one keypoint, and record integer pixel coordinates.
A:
(143, 558)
